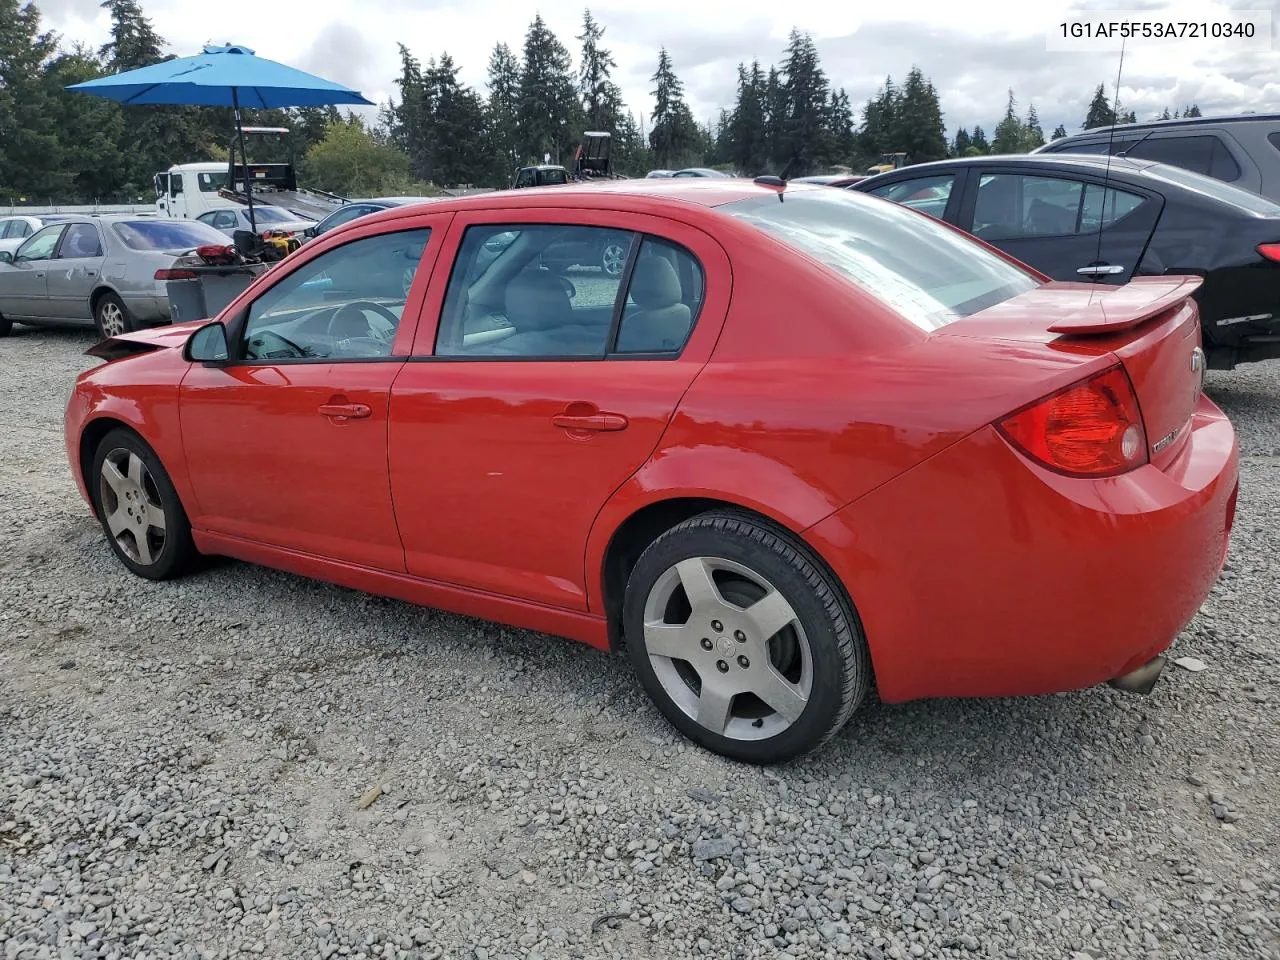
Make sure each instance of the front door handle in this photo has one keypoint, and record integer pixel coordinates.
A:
(345, 411)
(590, 421)
(1101, 270)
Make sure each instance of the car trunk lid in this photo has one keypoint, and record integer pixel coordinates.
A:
(1151, 325)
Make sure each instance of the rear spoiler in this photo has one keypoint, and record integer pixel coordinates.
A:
(1122, 308)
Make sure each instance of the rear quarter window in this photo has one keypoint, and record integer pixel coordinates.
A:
(926, 272)
(1214, 189)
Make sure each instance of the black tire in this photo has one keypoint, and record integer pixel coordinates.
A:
(841, 665)
(173, 557)
(103, 318)
(6, 326)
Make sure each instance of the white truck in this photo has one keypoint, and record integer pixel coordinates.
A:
(188, 190)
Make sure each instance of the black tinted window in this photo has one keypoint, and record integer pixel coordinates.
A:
(1201, 154)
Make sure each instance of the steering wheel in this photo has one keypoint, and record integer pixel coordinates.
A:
(359, 307)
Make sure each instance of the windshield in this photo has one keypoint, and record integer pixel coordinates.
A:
(925, 271)
(212, 182)
(1222, 192)
(167, 234)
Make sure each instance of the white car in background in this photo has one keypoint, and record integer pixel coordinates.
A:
(15, 229)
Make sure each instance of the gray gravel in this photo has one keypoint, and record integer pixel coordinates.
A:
(246, 763)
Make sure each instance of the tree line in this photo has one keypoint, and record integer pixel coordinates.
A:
(436, 130)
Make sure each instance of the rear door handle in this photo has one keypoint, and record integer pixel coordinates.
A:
(345, 411)
(1101, 270)
(592, 421)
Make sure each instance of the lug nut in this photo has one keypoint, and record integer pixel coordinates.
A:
(739, 636)
(706, 644)
(722, 666)
(743, 662)
(717, 626)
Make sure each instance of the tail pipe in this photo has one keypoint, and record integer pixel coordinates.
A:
(1141, 680)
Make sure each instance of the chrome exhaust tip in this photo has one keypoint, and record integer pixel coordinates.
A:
(1142, 680)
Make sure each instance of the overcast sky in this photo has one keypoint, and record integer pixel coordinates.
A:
(973, 52)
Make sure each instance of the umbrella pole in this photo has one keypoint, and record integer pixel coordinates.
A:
(244, 156)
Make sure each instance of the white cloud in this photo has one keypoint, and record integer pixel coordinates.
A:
(974, 54)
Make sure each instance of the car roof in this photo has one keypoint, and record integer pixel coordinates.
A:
(1093, 161)
(1149, 125)
(650, 194)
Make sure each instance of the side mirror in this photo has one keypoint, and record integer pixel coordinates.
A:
(208, 344)
(309, 232)
(6, 256)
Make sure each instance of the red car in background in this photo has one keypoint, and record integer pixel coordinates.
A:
(803, 440)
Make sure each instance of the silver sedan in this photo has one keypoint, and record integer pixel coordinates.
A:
(108, 271)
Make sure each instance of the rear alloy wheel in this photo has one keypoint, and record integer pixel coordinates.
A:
(139, 508)
(111, 316)
(742, 642)
(613, 258)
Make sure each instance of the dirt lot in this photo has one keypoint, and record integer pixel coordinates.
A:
(186, 770)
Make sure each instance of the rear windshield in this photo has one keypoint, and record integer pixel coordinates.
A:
(1222, 192)
(927, 272)
(168, 234)
(269, 215)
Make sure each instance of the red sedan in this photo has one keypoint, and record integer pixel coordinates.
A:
(803, 441)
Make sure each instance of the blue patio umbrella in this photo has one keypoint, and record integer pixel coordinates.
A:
(223, 76)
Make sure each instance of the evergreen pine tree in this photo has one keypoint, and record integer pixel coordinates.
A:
(962, 144)
(600, 96)
(548, 111)
(1033, 134)
(805, 95)
(980, 144)
(1059, 132)
(27, 140)
(1100, 113)
(502, 113)
(1009, 134)
(674, 135)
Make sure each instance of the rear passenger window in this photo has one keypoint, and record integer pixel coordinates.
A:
(556, 292)
(662, 300)
(1201, 154)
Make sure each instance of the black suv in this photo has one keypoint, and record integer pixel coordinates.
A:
(1243, 151)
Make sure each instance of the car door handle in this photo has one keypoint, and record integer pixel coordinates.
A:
(590, 421)
(1101, 270)
(345, 411)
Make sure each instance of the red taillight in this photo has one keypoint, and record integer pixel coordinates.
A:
(176, 275)
(1270, 250)
(1089, 429)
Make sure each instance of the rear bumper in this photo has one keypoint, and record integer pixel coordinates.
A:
(148, 309)
(980, 574)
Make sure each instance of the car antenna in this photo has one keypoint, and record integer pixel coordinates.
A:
(769, 180)
(1106, 171)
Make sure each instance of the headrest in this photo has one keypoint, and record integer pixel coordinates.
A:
(655, 283)
(537, 300)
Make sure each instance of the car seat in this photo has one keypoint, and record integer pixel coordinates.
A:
(663, 320)
(540, 309)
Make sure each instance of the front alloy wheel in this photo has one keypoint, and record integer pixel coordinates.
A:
(139, 508)
(743, 642)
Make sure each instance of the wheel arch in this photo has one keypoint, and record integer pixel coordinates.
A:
(91, 436)
(100, 291)
(649, 521)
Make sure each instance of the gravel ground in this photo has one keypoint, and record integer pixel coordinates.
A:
(246, 763)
